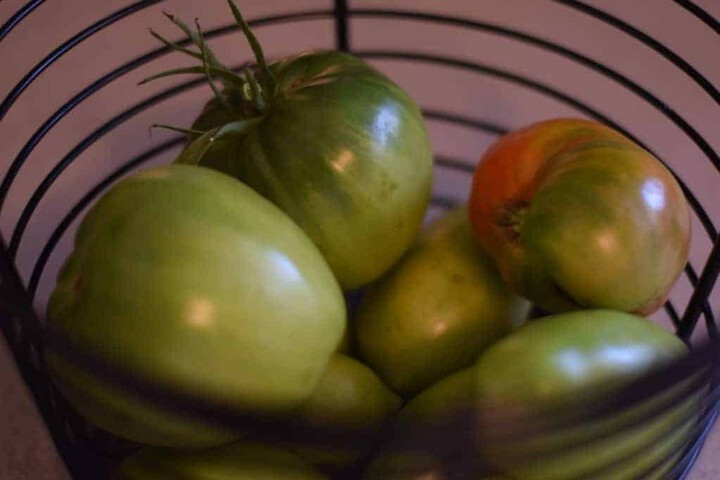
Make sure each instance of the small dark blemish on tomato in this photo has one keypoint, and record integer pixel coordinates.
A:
(78, 283)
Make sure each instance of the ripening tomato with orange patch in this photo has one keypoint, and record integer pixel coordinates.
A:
(577, 215)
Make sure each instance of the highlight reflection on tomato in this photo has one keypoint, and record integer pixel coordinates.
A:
(555, 359)
(187, 278)
(333, 142)
(436, 310)
(578, 216)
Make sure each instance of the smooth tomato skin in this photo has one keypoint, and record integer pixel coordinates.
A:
(577, 355)
(453, 395)
(235, 461)
(553, 359)
(189, 279)
(351, 399)
(571, 210)
(439, 405)
(436, 310)
(343, 151)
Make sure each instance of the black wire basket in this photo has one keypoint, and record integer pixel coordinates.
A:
(478, 69)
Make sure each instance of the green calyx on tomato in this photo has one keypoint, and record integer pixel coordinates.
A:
(236, 461)
(578, 216)
(333, 142)
(436, 309)
(188, 279)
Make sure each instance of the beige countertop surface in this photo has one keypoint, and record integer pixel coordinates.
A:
(27, 453)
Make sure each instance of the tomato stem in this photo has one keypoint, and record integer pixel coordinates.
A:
(243, 95)
(222, 75)
(266, 75)
(226, 76)
(511, 217)
(174, 45)
(196, 151)
(206, 68)
(248, 86)
(256, 97)
(193, 36)
(188, 131)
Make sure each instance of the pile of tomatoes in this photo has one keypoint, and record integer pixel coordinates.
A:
(226, 278)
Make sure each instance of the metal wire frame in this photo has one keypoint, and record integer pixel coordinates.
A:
(49, 180)
(342, 14)
(127, 114)
(701, 14)
(668, 389)
(15, 20)
(434, 18)
(646, 39)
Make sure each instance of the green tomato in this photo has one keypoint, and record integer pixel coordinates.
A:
(436, 310)
(351, 400)
(578, 216)
(580, 355)
(189, 279)
(451, 396)
(236, 461)
(336, 145)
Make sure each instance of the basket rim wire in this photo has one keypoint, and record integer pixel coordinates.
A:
(701, 14)
(17, 300)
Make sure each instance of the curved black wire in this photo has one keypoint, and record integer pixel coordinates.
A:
(695, 204)
(674, 316)
(687, 325)
(457, 164)
(120, 14)
(691, 273)
(701, 14)
(342, 25)
(453, 163)
(89, 140)
(18, 17)
(97, 85)
(487, 126)
(16, 165)
(438, 200)
(52, 176)
(39, 193)
(444, 202)
(652, 386)
(571, 54)
(86, 200)
(702, 291)
(647, 40)
(705, 309)
(39, 267)
(47, 182)
(30, 77)
(682, 469)
(691, 316)
(549, 91)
